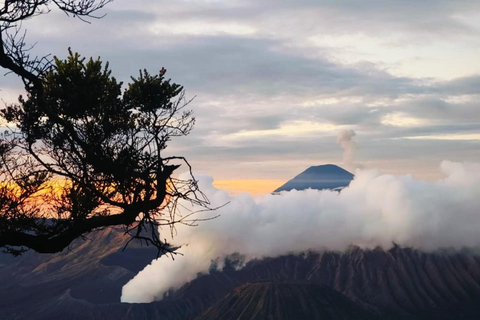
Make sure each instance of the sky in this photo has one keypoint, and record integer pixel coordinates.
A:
(276, 83)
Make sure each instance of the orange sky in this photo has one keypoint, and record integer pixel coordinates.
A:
(252, 186)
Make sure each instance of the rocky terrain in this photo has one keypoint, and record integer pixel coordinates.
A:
(400, 283)
(285, 300)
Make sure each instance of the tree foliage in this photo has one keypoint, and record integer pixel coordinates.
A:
(81, 153)
(85, 154)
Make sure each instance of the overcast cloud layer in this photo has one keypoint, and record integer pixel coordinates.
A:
(277, 81)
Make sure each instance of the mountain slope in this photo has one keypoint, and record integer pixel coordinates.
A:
(285, 300)
(399, 283)
(93, 271)
(327, 176)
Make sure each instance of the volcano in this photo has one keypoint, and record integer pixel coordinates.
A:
(326, 176)
(285, 300)
(398, 284)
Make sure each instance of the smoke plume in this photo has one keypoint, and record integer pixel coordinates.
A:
(345, 139)
(374, 210)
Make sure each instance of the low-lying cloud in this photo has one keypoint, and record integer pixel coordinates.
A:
(375, 210)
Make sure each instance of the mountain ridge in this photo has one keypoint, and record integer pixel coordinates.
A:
(398, 283)
(327, 176)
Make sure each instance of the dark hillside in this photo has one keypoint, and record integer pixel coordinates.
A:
(285, 301)
(399, 283)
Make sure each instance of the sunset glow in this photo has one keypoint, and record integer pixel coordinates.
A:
(251, 186)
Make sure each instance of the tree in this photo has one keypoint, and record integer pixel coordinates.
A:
(83, 155)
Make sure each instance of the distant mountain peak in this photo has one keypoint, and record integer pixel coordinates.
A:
(327, 176)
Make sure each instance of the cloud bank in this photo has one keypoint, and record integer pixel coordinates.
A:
(375, 210)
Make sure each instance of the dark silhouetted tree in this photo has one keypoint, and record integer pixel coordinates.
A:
(80, 154)
(85, 154)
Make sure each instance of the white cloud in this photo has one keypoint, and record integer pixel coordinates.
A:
(294, 129)
(399, 119)
(374, 210)
(456, 136)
